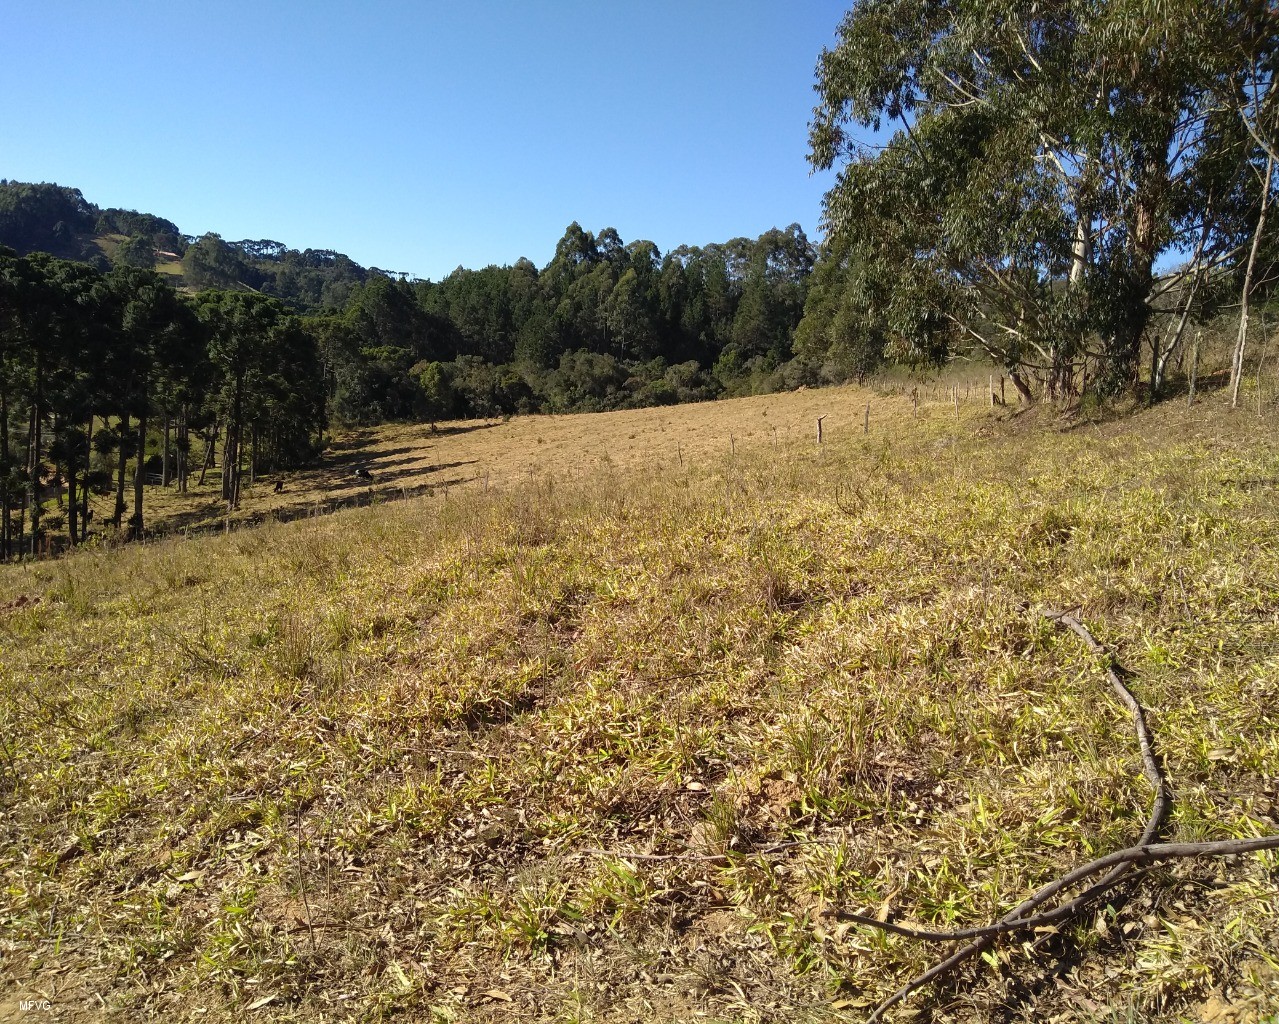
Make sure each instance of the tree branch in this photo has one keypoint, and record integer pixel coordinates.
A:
(1116, 866)
(1132, 855)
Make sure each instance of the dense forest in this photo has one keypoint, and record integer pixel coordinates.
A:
(1067, 190)
(99, 369)
(135, 340)
(605, 324)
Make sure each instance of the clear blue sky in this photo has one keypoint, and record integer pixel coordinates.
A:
(419, 136)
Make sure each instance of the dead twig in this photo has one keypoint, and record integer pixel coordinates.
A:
(306, 903)
(1017, 919)
(712, 858)
(1131, 856)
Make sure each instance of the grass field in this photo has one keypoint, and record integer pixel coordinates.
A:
(609, 724)
(418, 459)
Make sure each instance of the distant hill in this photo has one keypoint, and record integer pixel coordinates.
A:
(59, 220)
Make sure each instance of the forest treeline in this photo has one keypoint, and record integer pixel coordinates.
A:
(605, 324)
(111, 377)
(103, 372)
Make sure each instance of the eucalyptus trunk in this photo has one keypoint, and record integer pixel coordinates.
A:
(1236, 364)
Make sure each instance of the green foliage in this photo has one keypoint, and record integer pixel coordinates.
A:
(135, 251)
(439, 397)
(112, 353)
(210, 263)
(503, 331)
(598, 328)
(48, 218)
(158, 232)
(1046, 157)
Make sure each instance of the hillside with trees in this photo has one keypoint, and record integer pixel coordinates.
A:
(118, 369)
(900, 700)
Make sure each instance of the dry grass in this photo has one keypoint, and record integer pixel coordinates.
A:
(362, 766)
(415, 460)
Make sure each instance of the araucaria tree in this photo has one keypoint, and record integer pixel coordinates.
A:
(1047, 154)
(80, 348)
(268, 385)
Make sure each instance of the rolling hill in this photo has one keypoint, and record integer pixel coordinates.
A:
(59, 220)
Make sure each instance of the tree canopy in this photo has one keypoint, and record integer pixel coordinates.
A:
(1045, 158)
(81, 349)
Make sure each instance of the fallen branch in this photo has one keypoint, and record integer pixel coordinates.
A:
(1116, 869)
(1150, 762)
(1131, 856)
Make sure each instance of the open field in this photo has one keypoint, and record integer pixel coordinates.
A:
(169, 267)
(616, 736)
(418, 459)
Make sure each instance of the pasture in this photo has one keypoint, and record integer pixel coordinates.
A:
(621, 714)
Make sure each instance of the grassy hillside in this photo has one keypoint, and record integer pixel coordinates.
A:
(167, 265)
(421, 459)
(616, 744)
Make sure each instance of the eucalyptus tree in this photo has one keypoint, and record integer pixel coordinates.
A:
(1250, 105)
(837, 331)
(1045, 155)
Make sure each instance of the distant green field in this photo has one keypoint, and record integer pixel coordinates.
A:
(108, 244)
(171, 268)
(168, 267)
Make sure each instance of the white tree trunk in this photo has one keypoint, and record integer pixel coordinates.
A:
(1236, 365)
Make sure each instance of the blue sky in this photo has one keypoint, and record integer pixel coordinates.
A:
(422, 136)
